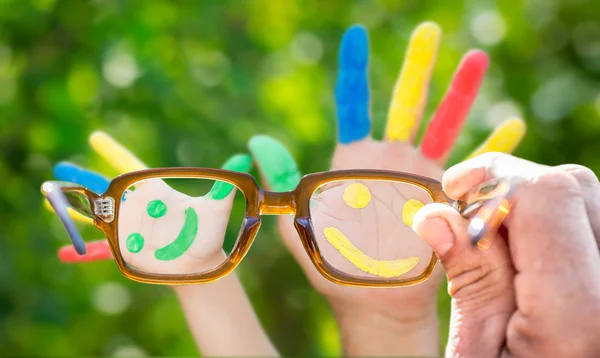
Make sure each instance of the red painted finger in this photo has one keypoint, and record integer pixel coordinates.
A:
(452, 112)
(96, 251)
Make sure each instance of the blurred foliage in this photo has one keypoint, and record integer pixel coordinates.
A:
(187, 83)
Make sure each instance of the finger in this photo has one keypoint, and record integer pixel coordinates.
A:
(352, 89)
(410, 93)
(275, 163)
(465, 177)
(114, 153)
(445, 230)
(479, 281)
(505, 138)
(280, 173)
(70, 172)
(590, 191)
(72, 213)
(96, 251)
(239, 163)
(448, 119)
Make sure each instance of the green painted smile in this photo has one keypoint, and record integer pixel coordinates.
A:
(184, 240)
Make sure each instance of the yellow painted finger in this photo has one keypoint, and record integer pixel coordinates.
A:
(410, 93)
(505, 138)
(72, 213)
(114, 153)
(364, 262)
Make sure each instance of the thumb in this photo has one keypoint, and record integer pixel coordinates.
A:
(480, 281)
(279, 172)
(275, 163)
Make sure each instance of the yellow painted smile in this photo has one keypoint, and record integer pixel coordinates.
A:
(358, 196)
(363, 261)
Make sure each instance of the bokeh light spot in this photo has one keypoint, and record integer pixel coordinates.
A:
(119, 68)
(488, 27)
(111, 298)
(502, 111)
(129, 351)
(306, 49)
(552, 101)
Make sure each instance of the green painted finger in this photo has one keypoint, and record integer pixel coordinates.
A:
(238, 163)
(275, 163)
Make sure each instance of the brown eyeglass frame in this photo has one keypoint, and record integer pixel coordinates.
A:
(105, 212)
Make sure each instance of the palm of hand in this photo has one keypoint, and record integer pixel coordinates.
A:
(393, 236)
(164, 231)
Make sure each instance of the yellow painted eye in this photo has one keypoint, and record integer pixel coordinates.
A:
(409, 210)
(357, 196)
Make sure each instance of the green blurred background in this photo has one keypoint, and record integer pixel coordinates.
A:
(187, 83)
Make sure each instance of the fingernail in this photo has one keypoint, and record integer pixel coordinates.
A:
(275, 163)
(237, 163)
(435, 232)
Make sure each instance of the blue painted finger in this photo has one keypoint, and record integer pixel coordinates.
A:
(70, 172)
(352, 88)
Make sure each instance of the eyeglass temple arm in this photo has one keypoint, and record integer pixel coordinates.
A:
(54, 192)
(59, 204)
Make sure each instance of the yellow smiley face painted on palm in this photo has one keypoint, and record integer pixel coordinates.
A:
(364, 228)
(164, 231)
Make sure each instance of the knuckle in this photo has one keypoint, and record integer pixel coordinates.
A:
(478, 285)
(559, 183)
(581, 173)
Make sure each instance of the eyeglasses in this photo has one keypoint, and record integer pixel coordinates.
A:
(195, 225)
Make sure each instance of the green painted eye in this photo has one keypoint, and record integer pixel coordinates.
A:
(135, 242)
(156, 208)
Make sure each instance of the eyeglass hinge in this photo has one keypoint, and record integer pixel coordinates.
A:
(105, 208)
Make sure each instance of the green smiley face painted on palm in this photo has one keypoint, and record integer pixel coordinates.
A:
(178, 226)
(183, 241)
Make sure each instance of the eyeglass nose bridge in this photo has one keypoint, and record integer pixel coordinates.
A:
(277, 203)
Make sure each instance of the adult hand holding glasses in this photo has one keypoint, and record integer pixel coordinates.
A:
(359, 229)
(535, 291)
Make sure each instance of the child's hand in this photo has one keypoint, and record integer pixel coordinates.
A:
(158, 225)
(169, 232)
(212, 309)
(161, 225)
(401, 321)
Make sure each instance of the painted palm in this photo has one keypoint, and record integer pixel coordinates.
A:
(170, 226)
(363, 228)
(165, 231)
